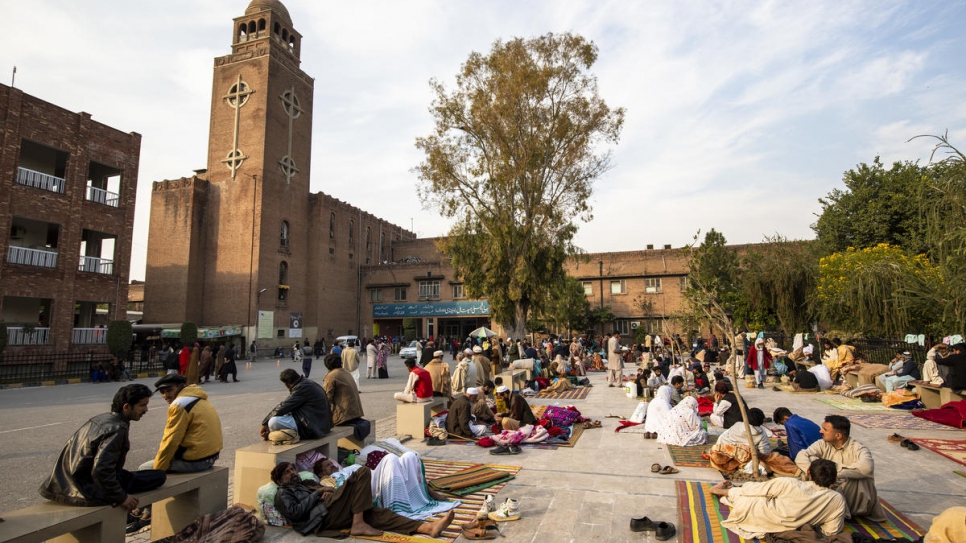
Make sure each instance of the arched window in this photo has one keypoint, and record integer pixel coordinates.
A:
(242, 31)
(331, 225)
(352, 227)
(276, 28)
(284, 34)
(368, 240)
(251, 27)
(261, 25)
(291, 43)
(283, 234)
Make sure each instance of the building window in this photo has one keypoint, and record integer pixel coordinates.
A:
(654, 326)
(282, 280)
(331, 225)
(399, 294)
(458, 291)
(622, 326)
(368, 240)
(683, 282)
(352, 228)
(429, 290)
(652, 285)
(283, 234)
(617, 287)
(588, 288)
(375, 295)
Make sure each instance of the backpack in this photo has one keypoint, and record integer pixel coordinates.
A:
(232, 525)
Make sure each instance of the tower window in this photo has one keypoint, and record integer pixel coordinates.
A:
(283, 273)
(242, 32)
(285, 34)
(331, 225)
(368, 240)
(261, 25)
(251, 27)
(283, 234)
(276, 28)
(352, 227)
(291, 43)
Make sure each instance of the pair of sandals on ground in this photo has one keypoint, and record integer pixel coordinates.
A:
(662, 530)
(663, 470)
(903, 442)
(488, 516)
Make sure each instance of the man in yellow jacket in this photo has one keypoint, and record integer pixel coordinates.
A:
(192, 434)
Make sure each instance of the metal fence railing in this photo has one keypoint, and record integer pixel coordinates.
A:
(33, 368)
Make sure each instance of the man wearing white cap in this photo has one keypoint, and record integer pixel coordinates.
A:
(483, 367)
(904, 370)
(439, 371)
(460, 420)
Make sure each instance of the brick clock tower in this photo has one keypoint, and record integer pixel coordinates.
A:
(259, 151)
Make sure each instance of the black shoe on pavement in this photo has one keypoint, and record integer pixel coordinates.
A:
(761, 385)
(500, 449)
(643, 524)
(515, 449)
(665, 531)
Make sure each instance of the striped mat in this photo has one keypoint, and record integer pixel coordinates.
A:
(900, 420)
(691, 456)
(466, 512)
(953, 449)
(578, 393)
(474, 476)
(700, 516)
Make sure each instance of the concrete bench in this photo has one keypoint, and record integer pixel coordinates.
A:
(350, 443)
(183, 498)
(934, 397)
(413, 418)
(254, 463)
(515, 379)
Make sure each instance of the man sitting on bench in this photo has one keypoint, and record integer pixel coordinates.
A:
(192, 434)
(90, 470)
(419, 387)
(323, 510)
(305, 412)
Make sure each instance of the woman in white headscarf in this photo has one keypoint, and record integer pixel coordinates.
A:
(657, 410)
(682, 425)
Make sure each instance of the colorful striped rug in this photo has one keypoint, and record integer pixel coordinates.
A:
(700, 516)
(578, 393)
(478, 477)
(953, 449)
(691, 456)
(900, 420)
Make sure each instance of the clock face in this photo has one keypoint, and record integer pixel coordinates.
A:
(296, 323)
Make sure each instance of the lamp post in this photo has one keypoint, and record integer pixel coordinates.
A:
(258, 297)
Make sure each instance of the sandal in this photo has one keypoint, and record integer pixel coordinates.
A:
(477, 534)
(655, 468)
(896, 438)
(667, 470)
(596, 424)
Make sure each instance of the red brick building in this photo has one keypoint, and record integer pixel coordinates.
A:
(67, 190)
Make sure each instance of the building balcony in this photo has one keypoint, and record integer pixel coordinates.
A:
(92, 264)
(89, 336)
(102, 196)
(39, 180)
(31, 257)
(16, 335)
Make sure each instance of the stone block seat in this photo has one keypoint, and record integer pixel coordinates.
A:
(413, 418)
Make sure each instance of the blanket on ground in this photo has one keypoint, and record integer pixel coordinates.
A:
(951, 414)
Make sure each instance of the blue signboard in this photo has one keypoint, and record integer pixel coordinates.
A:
(432, 309)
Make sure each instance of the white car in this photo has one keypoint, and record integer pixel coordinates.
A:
(342, 341)
(413, 350)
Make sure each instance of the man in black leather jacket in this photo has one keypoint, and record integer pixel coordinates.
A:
(90, 472)
(306, 409)
(323, 510)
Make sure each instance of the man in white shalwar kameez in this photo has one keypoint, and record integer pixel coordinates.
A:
(784, 503)
(856, 469)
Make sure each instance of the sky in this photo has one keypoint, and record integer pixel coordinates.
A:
(739, 115)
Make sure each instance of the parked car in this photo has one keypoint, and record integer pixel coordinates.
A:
(342, 341)
(413, 350)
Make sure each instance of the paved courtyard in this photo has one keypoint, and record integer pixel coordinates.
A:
(585, 493)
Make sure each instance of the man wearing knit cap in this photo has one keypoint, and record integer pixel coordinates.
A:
(483, 367)
(460, 420)
(439, 371)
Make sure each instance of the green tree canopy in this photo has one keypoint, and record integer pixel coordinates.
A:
(778, 278)
(877, 206)
(513, 155)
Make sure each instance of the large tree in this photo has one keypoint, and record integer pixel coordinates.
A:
(516, 147)
(778, 278)
(878, 205)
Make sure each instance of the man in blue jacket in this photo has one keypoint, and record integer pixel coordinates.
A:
(801, 433)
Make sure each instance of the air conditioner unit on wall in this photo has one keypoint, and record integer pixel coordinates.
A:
(635, 324)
